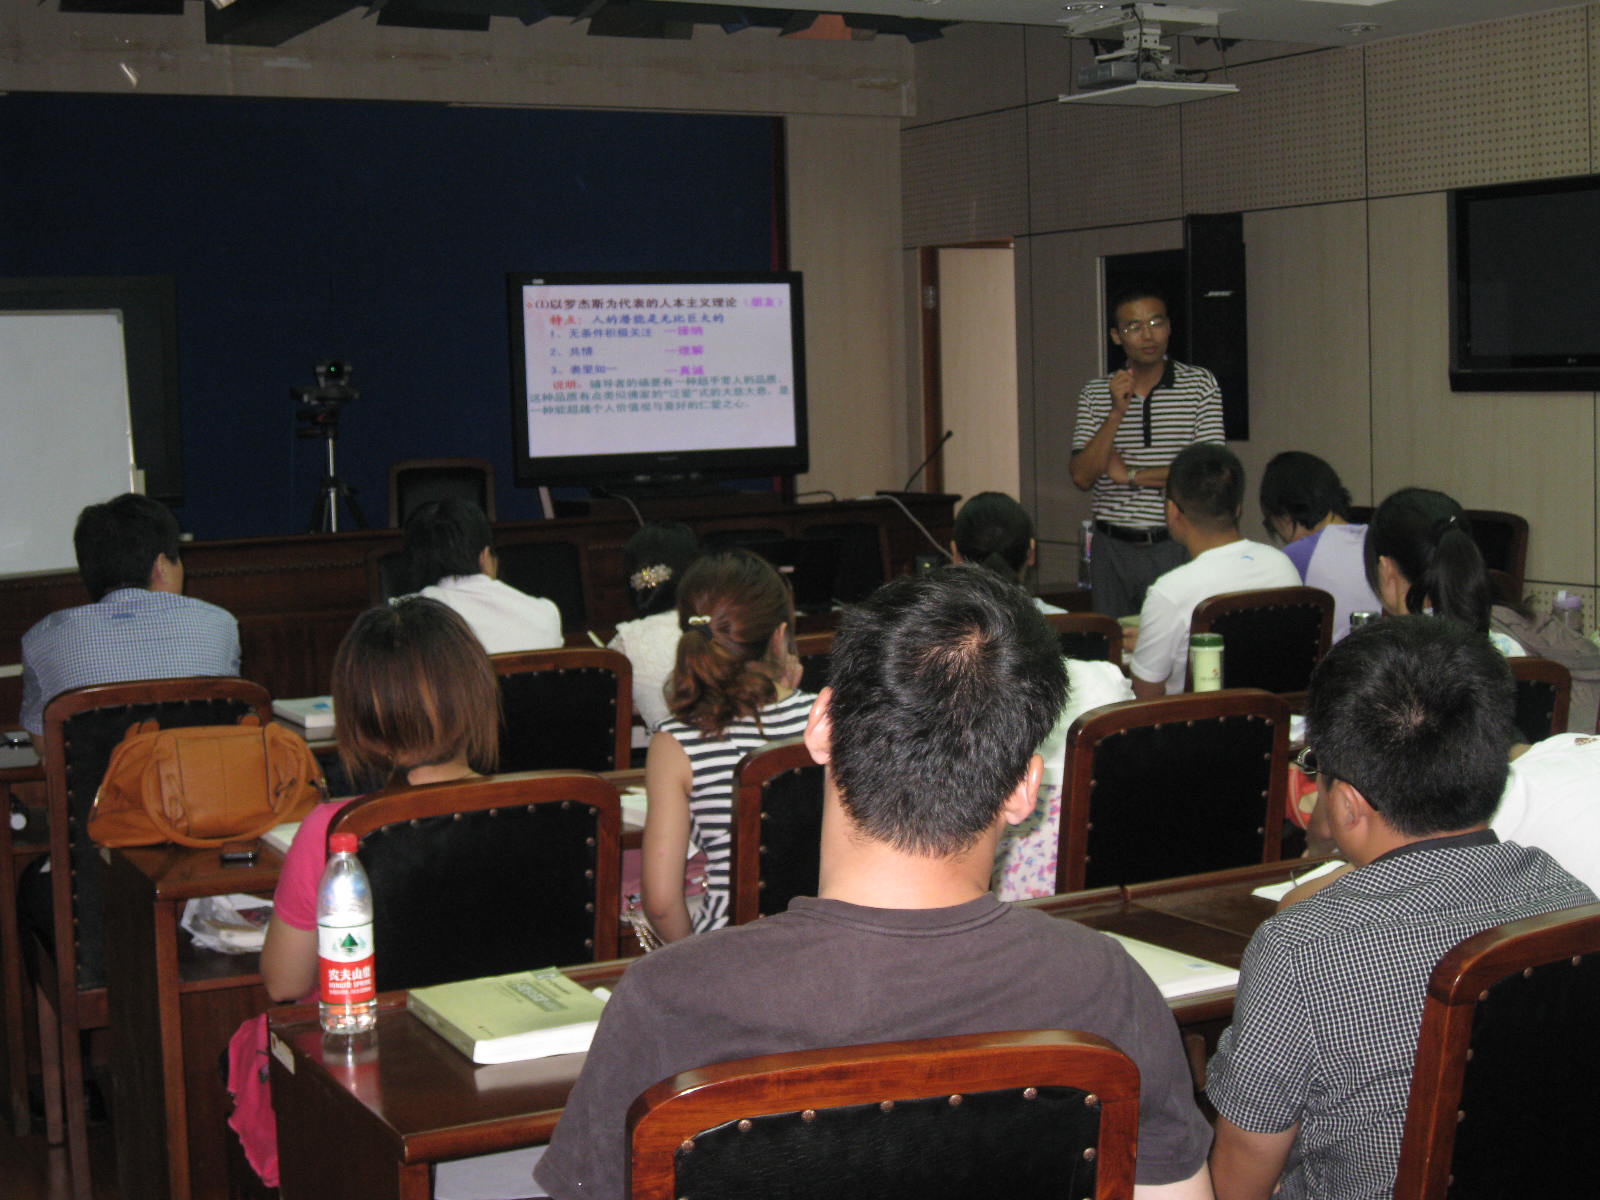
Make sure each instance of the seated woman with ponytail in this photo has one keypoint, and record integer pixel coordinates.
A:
(732, 690)
(1421, 559)
(993, 531)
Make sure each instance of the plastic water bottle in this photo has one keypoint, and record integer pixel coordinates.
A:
(1570, 609)
(344, 942)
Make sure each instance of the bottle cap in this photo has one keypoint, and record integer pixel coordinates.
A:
(342, 843)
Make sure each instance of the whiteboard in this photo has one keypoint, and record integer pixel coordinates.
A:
(66, 440)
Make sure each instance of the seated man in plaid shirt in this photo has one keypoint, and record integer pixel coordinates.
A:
(1409, 722)
(140, 625)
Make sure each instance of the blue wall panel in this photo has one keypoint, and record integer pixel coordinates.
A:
(377, 233)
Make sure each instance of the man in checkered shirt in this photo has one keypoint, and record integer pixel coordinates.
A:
(1409, 723)
(140, 625)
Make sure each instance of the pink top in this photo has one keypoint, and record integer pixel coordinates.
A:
(295, 901)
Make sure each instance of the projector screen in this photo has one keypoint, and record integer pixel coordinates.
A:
(650, 379)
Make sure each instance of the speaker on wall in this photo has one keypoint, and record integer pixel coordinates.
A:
(1213, 247)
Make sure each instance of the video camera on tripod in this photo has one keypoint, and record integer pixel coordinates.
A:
(320, 404)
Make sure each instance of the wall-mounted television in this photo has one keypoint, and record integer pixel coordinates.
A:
(648, 380)
(1525, 286)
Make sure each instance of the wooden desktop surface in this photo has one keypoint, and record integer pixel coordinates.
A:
(370, 1125)
(173, 1009)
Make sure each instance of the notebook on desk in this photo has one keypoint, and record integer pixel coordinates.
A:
(314, 714)
(279, 836)
(1178, 974)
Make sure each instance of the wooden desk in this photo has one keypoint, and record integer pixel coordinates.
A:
(371, 1125)
(173, 1009)
(295, 596)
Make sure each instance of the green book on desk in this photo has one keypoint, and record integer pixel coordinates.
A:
(509, 1018)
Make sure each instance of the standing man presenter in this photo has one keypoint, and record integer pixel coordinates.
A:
(1130, 427)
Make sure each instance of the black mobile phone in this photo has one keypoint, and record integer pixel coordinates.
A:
(239, 854)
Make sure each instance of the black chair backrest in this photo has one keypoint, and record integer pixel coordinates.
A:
(567, 717)
(389, 575)
(816, 652)
(1092, 637)
(1507, 1079)
(512, 879)
(1544, 697)
(1173, 786)
(777, 829)
(1273, 645)
(1020, 1115)
(90, 738)
(416, 481)
(858, 558)
(553, 570)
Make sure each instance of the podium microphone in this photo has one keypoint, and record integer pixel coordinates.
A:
(948, 434)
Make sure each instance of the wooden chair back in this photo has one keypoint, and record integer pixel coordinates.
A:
(1024, 1115)
(565, 709)
(777, 829)
(1544, 697)
(81, 729)
(1173, 786)
(1272, 638)
(415, 481)
(489, 876)
(64, 909)
(1506, 1082)
(815, 651)
(1086, 635)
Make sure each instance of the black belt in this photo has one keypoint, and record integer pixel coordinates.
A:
(1139, 535)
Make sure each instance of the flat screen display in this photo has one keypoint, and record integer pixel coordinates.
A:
(651, 379)
(1525, 280)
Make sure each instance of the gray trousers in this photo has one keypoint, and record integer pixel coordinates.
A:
(1121, 572)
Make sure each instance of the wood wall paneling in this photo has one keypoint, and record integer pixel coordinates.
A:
(1529, 453)
(966, 181)
(1293, 134)
(970, 69)
(1306, 279)
(1487, 103)
(1102, 166)
(553, 64)
(844, 228)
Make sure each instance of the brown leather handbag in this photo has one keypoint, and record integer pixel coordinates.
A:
(203, 785)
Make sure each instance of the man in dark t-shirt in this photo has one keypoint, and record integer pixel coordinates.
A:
(942, 686)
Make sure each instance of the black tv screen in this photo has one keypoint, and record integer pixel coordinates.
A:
(649, 379)
(1525, 286)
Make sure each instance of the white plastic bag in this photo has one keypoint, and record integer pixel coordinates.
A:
(234, 924)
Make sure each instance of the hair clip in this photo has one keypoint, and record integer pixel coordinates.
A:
(648, 577)
(699, 619)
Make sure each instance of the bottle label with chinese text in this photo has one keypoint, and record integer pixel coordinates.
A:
(344, 960)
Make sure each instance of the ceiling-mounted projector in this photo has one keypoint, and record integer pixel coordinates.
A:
(1142, 73)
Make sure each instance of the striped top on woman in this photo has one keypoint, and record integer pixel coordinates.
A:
(712, 758)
